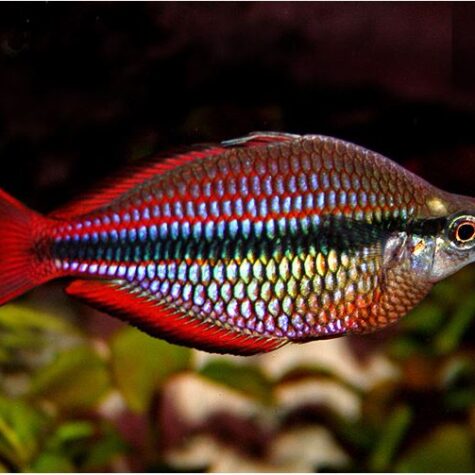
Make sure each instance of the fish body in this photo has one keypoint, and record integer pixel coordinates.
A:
(245, 246)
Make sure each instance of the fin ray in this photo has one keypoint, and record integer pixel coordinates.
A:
(165, 322)
(131, 176)
(20, 270)
(255, 139)
(134, 175)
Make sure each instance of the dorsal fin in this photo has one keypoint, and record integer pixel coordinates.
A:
(114, 187)
(166, 322)
(122, 182)
(255, 139)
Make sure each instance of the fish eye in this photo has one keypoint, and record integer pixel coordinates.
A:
(463, 230)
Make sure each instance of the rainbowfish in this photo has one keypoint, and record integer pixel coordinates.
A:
(247, 245)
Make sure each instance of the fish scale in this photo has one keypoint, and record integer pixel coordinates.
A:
(245, 246)
(262, 284)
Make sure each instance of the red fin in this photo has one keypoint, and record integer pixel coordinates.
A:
(167, 323)
(255, 139)
(134, 175)
(113, 188)
(19, 271)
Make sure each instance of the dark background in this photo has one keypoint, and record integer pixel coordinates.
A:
(88, 87)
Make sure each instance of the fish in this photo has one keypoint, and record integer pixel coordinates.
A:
(246, 245)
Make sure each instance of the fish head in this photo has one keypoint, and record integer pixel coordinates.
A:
(453, 245)
(438, 244)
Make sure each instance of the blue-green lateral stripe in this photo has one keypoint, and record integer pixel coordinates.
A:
(223, 240)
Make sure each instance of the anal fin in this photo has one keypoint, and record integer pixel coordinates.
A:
(167, 323)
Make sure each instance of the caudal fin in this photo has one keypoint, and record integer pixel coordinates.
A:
(18, 262)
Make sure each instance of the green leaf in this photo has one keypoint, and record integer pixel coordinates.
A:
(390, 438)
(21, 427)
(445, 292)
(15, 316)
(76, 378)
(357, 434)
(20, 339)
(141, 363)
(460, 399)
(425, 318)
(70, 432)
(24, 331)
(80, 445)
(103, 450)
(450, 335)
(403, 347)
(447, 449)
(52, 463)
(246, 378)
(456, 369)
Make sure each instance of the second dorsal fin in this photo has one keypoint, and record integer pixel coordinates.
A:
(113, 188)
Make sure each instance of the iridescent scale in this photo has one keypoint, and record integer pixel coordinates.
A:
(283, 240)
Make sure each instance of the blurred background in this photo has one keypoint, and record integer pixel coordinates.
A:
(86, 88)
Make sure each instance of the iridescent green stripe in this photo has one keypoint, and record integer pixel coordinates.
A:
(235, 239)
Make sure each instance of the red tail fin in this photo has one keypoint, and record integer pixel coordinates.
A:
(18, 231)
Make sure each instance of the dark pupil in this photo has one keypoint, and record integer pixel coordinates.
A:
(465, 232)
